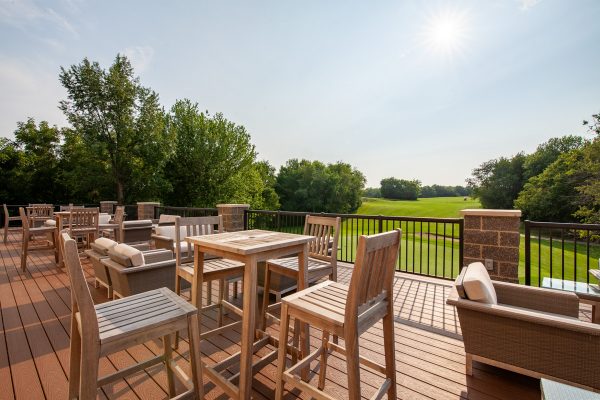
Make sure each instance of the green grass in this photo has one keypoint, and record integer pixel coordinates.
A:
(436, 207)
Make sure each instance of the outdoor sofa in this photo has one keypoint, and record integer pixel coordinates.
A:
(528, 330)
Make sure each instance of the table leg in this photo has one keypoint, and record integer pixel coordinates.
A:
(59, 226)
(304, 328)
(248, 327)
(197, 285)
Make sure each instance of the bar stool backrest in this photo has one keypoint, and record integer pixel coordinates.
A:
(193, 226)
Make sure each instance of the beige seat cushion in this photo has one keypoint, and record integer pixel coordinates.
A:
(478, 285)
(169, 231)
(103, 219)
(50, 222)
(103, 245)
(135, 256)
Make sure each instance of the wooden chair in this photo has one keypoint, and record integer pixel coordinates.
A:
(97, 331)
(83, 223)
(40, 213)
(7, 219)
(113, 228)
(30, 233)
(347, 312)
(220, 269)
(322, 259)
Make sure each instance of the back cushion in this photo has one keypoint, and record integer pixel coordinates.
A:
(103, 219)
(478, 285)
(103, 245)
(169, 231)
(134, 255)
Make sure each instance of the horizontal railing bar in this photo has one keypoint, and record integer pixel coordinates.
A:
(563, 225)
(361, 216)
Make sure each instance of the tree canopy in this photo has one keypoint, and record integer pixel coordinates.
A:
(400, 189)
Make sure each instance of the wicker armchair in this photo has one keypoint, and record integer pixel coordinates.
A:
(531, 331)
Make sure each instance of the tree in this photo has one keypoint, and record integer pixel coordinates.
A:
(497, 183)
(589, 190)
(372, 192)
(212, 160)
(400, 189)
(121, 122)
(11, 190)
(313, 186)
(546, 153)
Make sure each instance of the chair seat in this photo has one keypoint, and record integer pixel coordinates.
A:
(144, 312)
(216, 268)
(327, 301)
(290, 265)
(42, 229)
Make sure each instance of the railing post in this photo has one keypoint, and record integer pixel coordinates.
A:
(278, 219)
(380, 218)
(461, 243)
(527, 253)
(245, 220)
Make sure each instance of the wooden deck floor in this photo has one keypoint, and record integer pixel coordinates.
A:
(34, 344)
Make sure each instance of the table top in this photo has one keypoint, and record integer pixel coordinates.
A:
(582, 289)
(249, 242)
(552, 390)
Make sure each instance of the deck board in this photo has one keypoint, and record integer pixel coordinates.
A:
(35, 328)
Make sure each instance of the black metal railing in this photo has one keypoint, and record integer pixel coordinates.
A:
(430, 246)
(185, 211)
(564, 251)
(131, 212)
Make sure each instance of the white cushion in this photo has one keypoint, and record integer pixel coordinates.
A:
(103, 219)
(135, 255)
(478, 285)
(184, 246)
(169, 231)
(50, 222)
(105, 243)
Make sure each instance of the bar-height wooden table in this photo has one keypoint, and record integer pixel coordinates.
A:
(249, 247)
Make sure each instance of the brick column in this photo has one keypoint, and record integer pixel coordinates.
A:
(233, 216)
(146, 209)
(493, 235)
(107, 206)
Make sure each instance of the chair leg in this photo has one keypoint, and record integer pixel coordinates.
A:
(296, 341)
(5, 231)
(235, 289)
(323, 367)
(55, 245)
(75, 361)
(208, 293)
(390, 351)
(283, 334)
(266, 290)
(168, 358)
(195, 359)
(221, 298)
(178, 291)
(353, 366)
(24, 253)
(469, 364)
(89, 372)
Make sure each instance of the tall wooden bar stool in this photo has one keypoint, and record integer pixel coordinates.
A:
(30, 234)
(112, 229)
(346, 311)
(84, 224)
(219, 269)
(99, 330)
(322, 259)
(7, 219)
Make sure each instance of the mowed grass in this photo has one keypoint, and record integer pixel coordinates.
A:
(436, 207)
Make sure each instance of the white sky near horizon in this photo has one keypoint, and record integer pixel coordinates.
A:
(411, 89)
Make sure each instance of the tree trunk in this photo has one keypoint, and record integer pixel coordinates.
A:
(120, 197)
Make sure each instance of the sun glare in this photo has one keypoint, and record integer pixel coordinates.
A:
(446, 33)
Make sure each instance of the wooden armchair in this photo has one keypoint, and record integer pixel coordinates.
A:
(99, 330)
(112, 228)
(83, 224)
(30, 233)
(39, 214)
(346, 311)
(7, 219)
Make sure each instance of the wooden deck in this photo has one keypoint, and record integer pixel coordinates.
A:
(34, 344)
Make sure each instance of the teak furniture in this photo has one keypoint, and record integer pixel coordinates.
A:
(322, 259)
(37, 214)
(248, 247)
(7, 219)
(219, 269)
(97, 331)
(83, 223)
(112, 229)
(346, 311)
(30, 233)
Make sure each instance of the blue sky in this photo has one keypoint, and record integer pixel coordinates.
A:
(411, 89)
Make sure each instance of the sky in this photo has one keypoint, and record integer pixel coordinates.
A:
(422, 90)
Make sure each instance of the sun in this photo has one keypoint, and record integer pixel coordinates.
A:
(446, 32)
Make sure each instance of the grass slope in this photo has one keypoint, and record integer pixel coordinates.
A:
(436, 207)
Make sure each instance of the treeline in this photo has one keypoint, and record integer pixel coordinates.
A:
(402, 189)
(122, 145)
(559, 182)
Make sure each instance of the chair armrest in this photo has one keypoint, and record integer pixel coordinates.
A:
(534, 298)
(163, 242)
(132, 270)
(530, 316)
(158, 255)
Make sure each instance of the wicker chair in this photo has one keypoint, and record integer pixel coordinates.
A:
(532, 331)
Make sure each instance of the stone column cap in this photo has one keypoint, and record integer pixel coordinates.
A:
(234, 205)
(153, 203)
(483, 212)
(109, 201)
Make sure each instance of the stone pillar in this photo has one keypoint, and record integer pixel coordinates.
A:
(233, 216)
(108, 207)
(146, 209)
(493, 235)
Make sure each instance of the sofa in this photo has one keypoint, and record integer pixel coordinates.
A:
(529, 330)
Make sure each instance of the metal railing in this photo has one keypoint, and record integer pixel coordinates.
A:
(430, 246)
(185, 211)
(565, 251)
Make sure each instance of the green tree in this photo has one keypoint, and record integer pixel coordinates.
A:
(11, 190)
(315, 187)
(589, 189)
(546, 153)
(121, 122)
(497, 183)
(400, 189)
(372, 192)
(212, 161)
